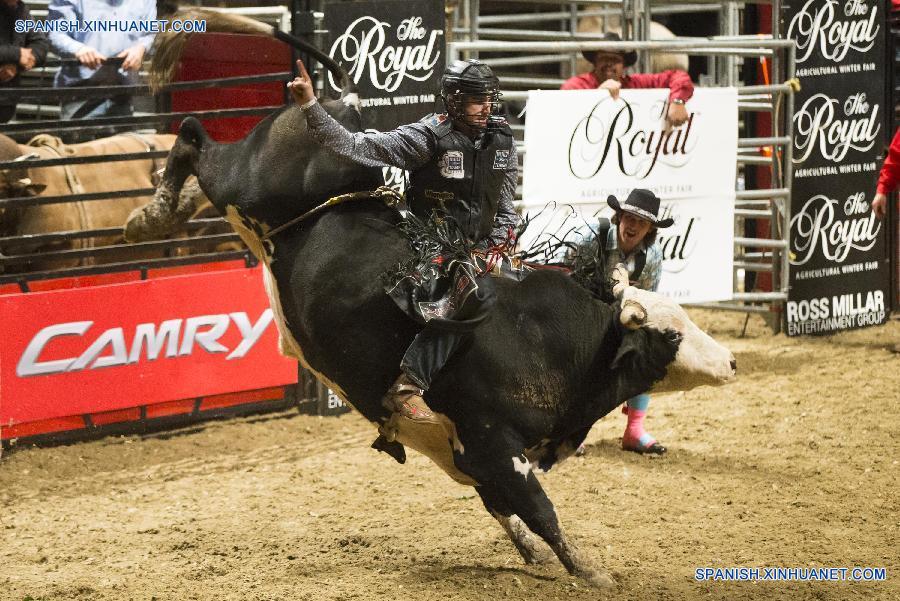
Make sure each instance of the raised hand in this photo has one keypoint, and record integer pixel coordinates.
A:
(301, 87)
(613, 86)
(677, 114)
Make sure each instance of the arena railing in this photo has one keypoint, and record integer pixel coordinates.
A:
(21, 266)
(42, 100)
(635, 16)
(754, 254)
(279, 16)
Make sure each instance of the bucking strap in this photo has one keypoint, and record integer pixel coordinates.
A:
(390, 197)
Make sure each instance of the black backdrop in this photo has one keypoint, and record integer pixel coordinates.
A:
(840, 267)
(394, 51)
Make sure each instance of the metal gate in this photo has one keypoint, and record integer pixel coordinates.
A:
(548, 36)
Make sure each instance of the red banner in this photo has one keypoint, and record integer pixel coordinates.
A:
(102, 348)
(214, 55)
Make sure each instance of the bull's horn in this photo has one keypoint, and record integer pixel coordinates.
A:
(24, 181)
(26, 157)
(633, 314)
(620, 277)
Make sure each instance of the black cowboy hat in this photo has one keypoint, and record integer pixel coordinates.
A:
(629, 56)
(641, 203)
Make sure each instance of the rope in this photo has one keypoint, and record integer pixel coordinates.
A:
(56, 146)
(390, 197)
(59, 148)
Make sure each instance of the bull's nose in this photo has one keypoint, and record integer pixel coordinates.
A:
(734, 365)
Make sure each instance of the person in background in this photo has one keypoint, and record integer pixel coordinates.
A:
(19, 52)
(888, 181)
(889, 177)
(609, 74)
(94, 49)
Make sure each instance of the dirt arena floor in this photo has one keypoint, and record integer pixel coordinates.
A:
(795, 464)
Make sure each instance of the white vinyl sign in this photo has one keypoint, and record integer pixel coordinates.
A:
(583, 146)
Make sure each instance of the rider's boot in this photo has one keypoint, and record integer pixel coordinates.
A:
(404, 401)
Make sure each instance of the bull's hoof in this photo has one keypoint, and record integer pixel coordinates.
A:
(392, 448)
(598, 578)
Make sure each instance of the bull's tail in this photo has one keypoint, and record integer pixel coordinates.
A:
(173, 203)
(169, 45)
(337, 71)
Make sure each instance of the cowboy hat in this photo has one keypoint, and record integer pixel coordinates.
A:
(629, 56)
(641, 203)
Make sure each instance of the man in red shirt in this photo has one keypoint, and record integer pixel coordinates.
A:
(889, 177)
(609, 74)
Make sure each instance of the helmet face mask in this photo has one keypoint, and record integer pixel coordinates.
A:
(473, 110)
(471, 93)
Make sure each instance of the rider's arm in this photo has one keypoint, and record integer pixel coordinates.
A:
(407, 147)
(506, 213)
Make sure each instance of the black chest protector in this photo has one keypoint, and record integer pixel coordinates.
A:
(464, 177)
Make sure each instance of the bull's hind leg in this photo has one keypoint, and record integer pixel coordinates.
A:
(159, 218)
(168, 205)
(511, 485)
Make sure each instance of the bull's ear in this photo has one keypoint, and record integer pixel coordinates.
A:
(628, 352)
(646, 353)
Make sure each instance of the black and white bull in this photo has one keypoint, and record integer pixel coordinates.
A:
(548, 362)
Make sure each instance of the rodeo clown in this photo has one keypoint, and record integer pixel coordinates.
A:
(462, 164)
(630, 238)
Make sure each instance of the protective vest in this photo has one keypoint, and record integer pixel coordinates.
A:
(464, 178)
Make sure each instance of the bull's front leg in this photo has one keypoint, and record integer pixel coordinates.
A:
(509, 487)
(531, 548)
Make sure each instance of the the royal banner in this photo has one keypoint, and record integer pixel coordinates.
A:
(840, 272)
(394, 52)
(582, 146)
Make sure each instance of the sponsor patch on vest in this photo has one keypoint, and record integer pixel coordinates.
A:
(501, 159)
(442, 198)
(451, 164)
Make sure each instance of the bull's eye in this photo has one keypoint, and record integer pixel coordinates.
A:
(675, 337)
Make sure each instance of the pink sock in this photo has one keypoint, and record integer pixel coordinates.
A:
(635, 435)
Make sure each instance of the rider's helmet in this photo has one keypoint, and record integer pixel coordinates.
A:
(470, 81)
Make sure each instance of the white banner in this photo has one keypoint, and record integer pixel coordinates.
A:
(583, 146)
